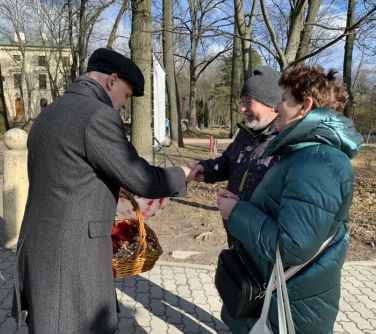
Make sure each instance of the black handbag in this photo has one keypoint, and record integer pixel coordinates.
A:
(239, 283)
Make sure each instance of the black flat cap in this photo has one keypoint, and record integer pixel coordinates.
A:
(109, 61)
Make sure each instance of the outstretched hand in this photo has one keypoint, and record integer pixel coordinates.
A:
(197, 172)
(187, 173)
(226, 201)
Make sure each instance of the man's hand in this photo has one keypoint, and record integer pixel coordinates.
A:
(226, 201)
(188, 173)
(197, 173)
(186, 170)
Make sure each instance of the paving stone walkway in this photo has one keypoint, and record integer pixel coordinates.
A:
(181, 298)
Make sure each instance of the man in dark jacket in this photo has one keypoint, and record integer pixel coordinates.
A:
(79, 157)
(241, 163)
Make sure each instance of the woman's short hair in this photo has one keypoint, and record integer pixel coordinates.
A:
(311, 81)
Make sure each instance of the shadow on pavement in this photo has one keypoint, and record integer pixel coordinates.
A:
(172, 309)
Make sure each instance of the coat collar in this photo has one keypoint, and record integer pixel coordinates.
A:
(323, 126)
(84, 85)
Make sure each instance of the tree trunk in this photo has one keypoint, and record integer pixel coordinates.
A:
(180, 131)
(347, 62)
(140, 45)
(3, 107)
(73, 68)
(236, 79)
(25, 114)
(168, 59)
(115, 27)
(81, 37)
(192, 100)
(295, 29)
(245, 33)
(305, 41)
(192, 67)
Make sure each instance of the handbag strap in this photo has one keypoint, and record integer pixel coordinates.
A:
(284, 311)
(293, 270)
(290, 272)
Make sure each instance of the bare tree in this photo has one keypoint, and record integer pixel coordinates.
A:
(82, 18)
(168, 60)
(347, 63)
(3, 107)
(51, 24)
(236, 79)
(287, 53)
(306, 34)
(140, 45)
(115, 27)
(292, 41)
(202, 26)
(244, 30)
(16, 21)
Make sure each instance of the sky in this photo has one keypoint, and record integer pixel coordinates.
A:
(335, 16)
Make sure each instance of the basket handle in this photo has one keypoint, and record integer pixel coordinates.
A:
(141, 250)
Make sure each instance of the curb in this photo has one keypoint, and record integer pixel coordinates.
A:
(185, 265)
(367, 263)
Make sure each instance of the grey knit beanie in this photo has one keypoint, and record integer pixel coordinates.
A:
(263, 86)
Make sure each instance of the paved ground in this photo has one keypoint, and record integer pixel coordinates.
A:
(181, 298)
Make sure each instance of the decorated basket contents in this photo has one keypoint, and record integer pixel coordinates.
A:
(149, 207)
(135, 246)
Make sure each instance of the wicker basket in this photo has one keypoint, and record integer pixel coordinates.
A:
(141, 260)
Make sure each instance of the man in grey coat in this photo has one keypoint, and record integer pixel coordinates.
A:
(79, 157)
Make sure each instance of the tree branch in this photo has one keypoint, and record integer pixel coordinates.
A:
(208, 62)
(273, 35)
(347, 31)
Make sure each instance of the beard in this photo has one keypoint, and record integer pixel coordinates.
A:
(254, 123)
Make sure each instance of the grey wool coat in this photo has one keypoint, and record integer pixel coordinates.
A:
(79, 157)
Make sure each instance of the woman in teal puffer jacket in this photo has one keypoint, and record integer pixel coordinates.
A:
(302, 201)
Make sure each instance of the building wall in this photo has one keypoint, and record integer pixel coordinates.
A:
(11, 64)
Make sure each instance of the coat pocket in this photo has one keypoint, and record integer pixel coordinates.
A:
(99, 228)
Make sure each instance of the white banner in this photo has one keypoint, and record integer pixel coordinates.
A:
(159, 102)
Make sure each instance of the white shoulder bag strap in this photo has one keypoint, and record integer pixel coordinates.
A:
(294, 269)
(262, 325)
(277, 281)
(284, 311)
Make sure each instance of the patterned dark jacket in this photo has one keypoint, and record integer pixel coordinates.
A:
(241, 163)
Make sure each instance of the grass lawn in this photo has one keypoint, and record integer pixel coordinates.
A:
(217, 132)
(185, 219)
(364, 203)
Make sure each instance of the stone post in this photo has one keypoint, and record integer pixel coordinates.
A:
(16, 184)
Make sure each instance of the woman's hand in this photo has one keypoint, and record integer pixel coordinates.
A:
(226, 201)
(228, 194)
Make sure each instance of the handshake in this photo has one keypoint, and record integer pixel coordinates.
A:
(196, 173)
(226, 200)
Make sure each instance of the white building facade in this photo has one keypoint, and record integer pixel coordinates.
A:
(30, 75)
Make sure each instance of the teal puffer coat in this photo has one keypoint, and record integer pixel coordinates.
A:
(303, 200)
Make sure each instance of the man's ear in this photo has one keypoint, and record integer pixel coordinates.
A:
(307, 105)
(111, 79)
